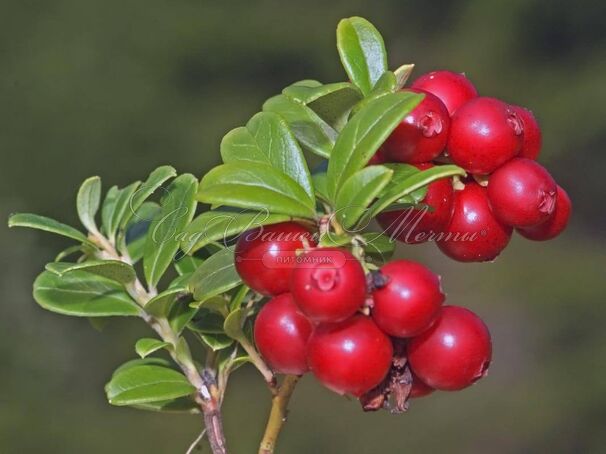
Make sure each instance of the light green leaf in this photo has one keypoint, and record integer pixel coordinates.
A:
(88, 201)
(321, 185)
(146, 383)
(147, 346)
(267, 139)
(69, 251)
(362, 52)
(161, 304)
(255, 186)
(403, 74)
(358, 192)
(234, 323)
(187, 264)
(112, 269)
(311, 131)
(107, 209)
(177, 210)
(121, 208)
(180, 405)
(220, 225)
(35, 221)
(215, 341)
(82, 294)
(215, 276)
(365, 133)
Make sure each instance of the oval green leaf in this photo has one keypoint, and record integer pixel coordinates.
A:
(112, 269)
(88, 201)
(215, 276)
(147, 346)
(35, 221)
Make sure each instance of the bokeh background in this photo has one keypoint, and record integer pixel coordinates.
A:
(116, 88)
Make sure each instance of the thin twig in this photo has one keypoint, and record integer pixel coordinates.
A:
(196, 442)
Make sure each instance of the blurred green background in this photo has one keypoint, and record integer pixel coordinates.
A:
(116, 88)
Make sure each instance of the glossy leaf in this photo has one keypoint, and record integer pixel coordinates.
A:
(255, 186)
(82, 294)
(234, 323)
(88, 201)
(161, 304)
(147, 346)
(187, 264)
(35, 221)
(215, 341)
(358, 192)
(177, 210)
(220, 225)
(146, 383)
(111, 269)
(267, 139)
(364, 133)
(335, 106)
(215, 276)
(362, 52)
(180, 315)
(311, 131)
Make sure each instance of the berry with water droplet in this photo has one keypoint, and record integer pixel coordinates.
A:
(555, 224)
(453, 89)
(454, 353)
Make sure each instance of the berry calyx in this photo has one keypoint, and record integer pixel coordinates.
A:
(533, 138)
(328, 284)
(422, 135)
(264, 256)
(453, 89)
(484, 134)
(349, 357)
(555, 224)
(454, 353)
(418, 225)
(522, 193)
(474, 234)
(410, 301)
(281, 335)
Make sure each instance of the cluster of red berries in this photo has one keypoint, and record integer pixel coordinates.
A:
(328, 316)
(497, 144)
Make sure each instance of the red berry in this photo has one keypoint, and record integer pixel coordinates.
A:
(265, 256)
(410, 301)
(474, 234)
(417, 225)
(423, 133)
(328, 284)
(419, 389)
(281, 334)
(349, 357)
(533, 139)
(453, 89)
(484, 134)
(556, 223)
(454, 353)
(378, 158)
(522, 193)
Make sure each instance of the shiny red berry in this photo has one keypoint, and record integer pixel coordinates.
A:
(454, 353)
(521, 193)
(265, 256)
(281, 335)
(378, 158)
(418, 225)
(474, 234)
(556, 223)
(533, 139)
(419, 389)
(453, 89)
(409, 301)
(485, 133)
(328, 284)
(423, 133)
(349, 357)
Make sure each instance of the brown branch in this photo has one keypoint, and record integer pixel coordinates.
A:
(278, 414)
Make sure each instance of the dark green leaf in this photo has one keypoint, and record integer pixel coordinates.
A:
(161, 304)
(364, 133)
(180, 315)
(121, 208)
(180, 405)
(112, 269)
(82, 294)
(358, 192)
(136, 230)
(255, 186)
(378, 246)
(177, 210)
(88, 201)
(215, 341)
(35, 221)
(335, 106)
(215, 276)
(147, 346)
(362, 52)
(187, 264)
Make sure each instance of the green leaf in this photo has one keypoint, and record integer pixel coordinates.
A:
(217, 304)
(180, 405)
(112, 269)
(335, 240)
(378, 246)
(234, 323)
(152, 361)
(402, 172)
(403, 74)
(180, 315)
(146, 383)
(220, 225)
(120, 208)
(321, 185)
(267, 139)
(362, 52)
(82, 294)
(107, 209)
(215, 276)
(136, 230)
(255, 186)
(358, 192)
(161, 304)
(147, 346)
(335, 106)
(153, 182)
(386, 84)
(69, 251)
(311, 131)
(215, 341)
(35, 221)
(364, 133)
(187, 264)
(408, 185)
(177, 210)
(228, 360)
(88, 201)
